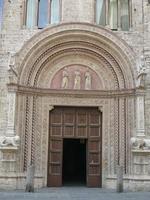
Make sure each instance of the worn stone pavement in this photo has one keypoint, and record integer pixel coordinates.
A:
(73, 193)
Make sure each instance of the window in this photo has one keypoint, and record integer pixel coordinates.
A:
(31, 13)
(125, 15)
(113, 13)
(43, 13)
(100, 12)
(55, 10)
(1, 12)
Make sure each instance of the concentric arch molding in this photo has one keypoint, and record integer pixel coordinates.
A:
(54, 43)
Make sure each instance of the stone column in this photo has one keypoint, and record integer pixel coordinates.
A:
(9, 143)
(119, 179)
(140, 122)
(11, 114)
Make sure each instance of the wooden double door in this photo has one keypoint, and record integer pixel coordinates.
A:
(84, 124)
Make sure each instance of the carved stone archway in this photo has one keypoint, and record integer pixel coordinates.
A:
(44, 57)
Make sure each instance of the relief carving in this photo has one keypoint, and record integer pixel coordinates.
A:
(12, 72)
(140, 143)
(142, 73)
(77, 77)
(88, 81)
(65, 79)
(9, 141)
(77, 80)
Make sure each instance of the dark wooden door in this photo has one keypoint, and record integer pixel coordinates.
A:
(55, 149)
(94, 149)
(75, 122)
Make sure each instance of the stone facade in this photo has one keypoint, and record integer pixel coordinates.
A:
(31, 60)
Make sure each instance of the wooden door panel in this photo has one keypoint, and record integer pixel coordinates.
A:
(81, 123)
(69, 123)
(56, 123)
(94, 163)
(75, 123)
(55, 162)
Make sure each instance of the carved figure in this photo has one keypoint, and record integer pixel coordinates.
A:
(9, 141)
(65, 79)
(146, 143)
(141, 79)
(12, 72)
(77, 80)
(142, 72)
(140, 143)
(88, 80)
(137, 143)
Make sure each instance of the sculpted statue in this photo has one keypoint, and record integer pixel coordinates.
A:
(88, 80)
(65, 79)
(77, 80)
(141, 79)
(142, 72)
(140, 143)
(9, 141)
(12, 72)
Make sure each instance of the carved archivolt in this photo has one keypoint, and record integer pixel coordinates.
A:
(56, 41)
(76, 57)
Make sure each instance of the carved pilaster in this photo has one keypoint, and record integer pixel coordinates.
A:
(8, 159)
(11, 114)
(140, 122)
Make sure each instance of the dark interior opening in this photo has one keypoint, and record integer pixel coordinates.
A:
(74, 162)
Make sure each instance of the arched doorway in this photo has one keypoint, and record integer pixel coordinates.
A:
(48, 66)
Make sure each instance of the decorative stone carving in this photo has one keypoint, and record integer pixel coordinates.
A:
(78, 77)
(140, 143)
(140, 122)
(11, 114)
(9, 141)
(88, 81)
(12, 72)
(51, 107)
(77, 80)
(141, 78)
(141, 72)
(65, 79)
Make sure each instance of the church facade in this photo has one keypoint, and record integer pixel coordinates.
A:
(75, 92)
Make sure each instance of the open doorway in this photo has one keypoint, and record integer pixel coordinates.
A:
(74, 162)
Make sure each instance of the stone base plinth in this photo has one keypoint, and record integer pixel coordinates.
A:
(12, 181)
(133, 183)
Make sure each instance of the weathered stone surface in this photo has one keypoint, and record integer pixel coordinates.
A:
(33, 57)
